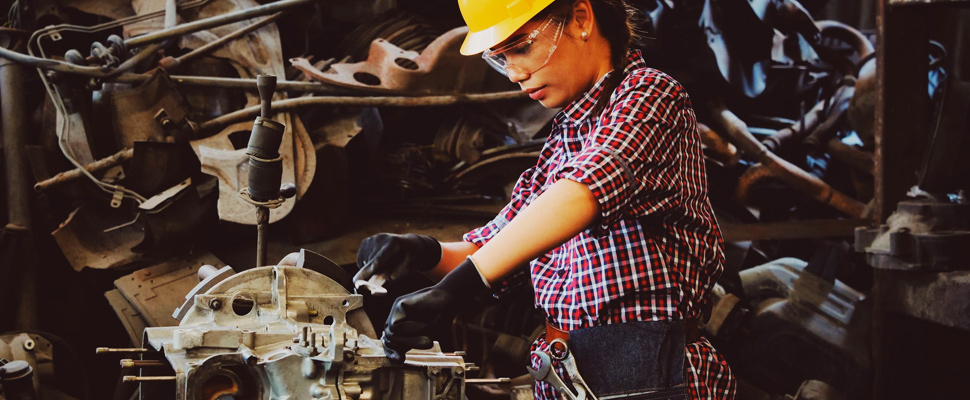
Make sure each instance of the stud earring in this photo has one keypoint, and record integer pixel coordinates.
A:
(584, 34)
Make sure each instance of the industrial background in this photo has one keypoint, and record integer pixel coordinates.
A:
(835, 135)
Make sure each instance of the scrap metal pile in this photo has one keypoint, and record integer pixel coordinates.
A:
(138, 152)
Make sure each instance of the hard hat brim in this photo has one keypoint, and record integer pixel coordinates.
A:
(477, 42)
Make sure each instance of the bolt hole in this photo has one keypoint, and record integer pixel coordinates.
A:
(243, 304)
(406, 63)
(367, 79)
(346, 303)
(328, 320)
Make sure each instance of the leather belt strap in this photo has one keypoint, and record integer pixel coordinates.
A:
(692, 331)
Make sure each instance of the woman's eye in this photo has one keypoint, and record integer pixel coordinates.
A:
(521, 50)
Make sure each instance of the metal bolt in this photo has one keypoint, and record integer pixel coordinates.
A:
(29, 344)
(215, 304)
(319, 392)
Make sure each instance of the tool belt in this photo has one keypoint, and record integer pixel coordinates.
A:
(635, 360)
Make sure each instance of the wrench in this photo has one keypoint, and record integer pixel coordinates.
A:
(547, 373)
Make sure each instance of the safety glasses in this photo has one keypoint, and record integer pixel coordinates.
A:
(529, 53)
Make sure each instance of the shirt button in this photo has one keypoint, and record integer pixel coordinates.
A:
(561, 272)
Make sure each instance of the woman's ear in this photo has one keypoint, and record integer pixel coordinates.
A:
(583, 15)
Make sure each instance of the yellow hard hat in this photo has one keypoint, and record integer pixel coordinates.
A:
(492, 21)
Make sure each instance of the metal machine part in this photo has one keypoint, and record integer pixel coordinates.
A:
(920, 236)
(788, 313)
(438, 69)
(289, 332)
(30, 370)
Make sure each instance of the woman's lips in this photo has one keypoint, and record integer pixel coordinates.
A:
(537, 93)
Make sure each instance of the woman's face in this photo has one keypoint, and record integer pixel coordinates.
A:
(574, 66)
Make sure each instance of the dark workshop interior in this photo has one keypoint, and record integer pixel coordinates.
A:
(142, 229)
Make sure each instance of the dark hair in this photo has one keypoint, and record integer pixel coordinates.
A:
(617, 21)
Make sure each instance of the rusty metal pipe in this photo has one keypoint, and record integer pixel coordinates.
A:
(76, 173)
(13, 113)
(215, 21)
(170, 64)
(806, 124)
(839, 106)
(721, 149)
(851, 156)
(236, 83)
(847, 34)
(374, 101)
(770, 165)
(13, 108)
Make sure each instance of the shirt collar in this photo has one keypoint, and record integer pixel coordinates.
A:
(579, 110)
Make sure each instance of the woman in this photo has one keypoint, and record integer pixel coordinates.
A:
(614, 218)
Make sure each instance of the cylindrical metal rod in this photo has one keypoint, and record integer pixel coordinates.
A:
(13, 113)
(171, 14)
(129, 378)
(13, 108)
(215, 44)
(102, 350)
(266, 84)
(487, 381)
(128, 363)
(76, 173)
(218, 20)
(375, 101)
(238, 83)
(262, 223)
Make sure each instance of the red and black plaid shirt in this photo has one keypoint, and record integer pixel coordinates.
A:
(655, 252)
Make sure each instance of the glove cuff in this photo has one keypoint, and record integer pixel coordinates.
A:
(465, 280)
(430, 254)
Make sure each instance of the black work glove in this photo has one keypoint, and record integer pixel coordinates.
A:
(413, 314)
(396, 256)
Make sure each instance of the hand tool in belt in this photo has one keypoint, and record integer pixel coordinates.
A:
(547, 372)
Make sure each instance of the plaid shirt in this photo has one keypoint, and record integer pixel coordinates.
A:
(655, 251)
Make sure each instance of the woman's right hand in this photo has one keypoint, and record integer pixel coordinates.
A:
(396, 256)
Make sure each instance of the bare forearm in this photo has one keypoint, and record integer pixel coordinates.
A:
(452, 254)
(559, 214)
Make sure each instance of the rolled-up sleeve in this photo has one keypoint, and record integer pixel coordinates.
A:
(628, 157)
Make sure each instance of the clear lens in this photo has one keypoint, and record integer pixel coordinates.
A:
(529, 53)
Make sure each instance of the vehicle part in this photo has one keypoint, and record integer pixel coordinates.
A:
(770, 165)
(370, 101)
(31, 368)
(151, 38)
(400, 29)
(920, 235)
(265, 166)
(155, 291)
(135, 113)
(788, 313)
(439, 69)
(288, 332)
(221, 155)
(234, 83)
(74, 174)
(171, 64)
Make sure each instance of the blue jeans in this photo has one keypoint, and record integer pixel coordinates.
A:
(632, 361)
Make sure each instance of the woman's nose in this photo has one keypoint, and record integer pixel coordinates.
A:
(517, 75)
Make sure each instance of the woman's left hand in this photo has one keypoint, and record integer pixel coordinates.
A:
(413, 314)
